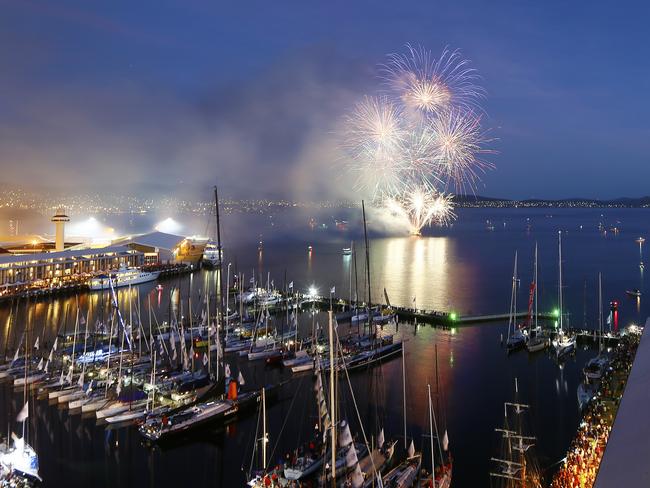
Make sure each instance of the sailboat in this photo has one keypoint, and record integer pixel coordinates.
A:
(213, 253)
(20, 458)
(595, 367)
(404, 474)
(516, 338)
(563, 343)
(537, 341)
(516, 467)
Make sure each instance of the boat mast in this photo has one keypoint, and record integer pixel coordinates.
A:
(350, 278)
(332, 399)
(356, 287)
(216, 203)
(404, 393)
(264, 428)
(536, 287)
(600, 314)
(433, 463)
(559, 243)
(365, 235)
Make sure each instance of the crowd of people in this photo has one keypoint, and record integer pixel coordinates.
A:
(580, 467)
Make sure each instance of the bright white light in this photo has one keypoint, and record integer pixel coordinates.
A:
(313, 291)
(90, 230)
(168, 225)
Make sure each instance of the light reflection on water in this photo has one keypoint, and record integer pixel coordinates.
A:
(465, 269)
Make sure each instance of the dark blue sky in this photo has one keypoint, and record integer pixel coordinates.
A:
(164, 92)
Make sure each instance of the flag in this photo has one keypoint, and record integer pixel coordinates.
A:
(227, 371)
(23, 414)
(36, 343)
(205, 359)
(291, 285)
(333, 290)
(68, 377)
(609, 318)
(411, 450)
(40, 364)
(240, 379)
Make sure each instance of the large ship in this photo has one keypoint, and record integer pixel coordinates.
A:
(124, 276)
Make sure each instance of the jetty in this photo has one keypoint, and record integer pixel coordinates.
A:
(625, 461)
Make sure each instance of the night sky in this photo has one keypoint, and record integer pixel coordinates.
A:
(172, 95)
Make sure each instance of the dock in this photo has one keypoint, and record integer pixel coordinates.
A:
(625, 461)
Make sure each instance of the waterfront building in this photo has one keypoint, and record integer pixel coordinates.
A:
(61, 269)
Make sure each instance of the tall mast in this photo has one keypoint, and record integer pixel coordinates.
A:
(536, 285)
(219, 249)
(600, 313)
(365, 235)
(332, 399)
(433, 463)
(404, 393)
(264, 428)
(559, 244)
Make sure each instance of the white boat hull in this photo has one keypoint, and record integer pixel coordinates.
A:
(118, 281)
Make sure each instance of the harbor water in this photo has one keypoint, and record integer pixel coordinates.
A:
(466, 268)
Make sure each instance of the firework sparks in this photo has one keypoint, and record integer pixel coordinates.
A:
(459, 140)
(431, 85)
(419, 207)
(408, 150)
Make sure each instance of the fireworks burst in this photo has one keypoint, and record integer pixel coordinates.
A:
(408, 149)
(431, 85)
(420, 207)
(459, 140)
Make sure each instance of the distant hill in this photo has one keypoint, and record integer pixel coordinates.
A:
(483, 201)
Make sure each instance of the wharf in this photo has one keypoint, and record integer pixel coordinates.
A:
(79, 283)
(625, 461)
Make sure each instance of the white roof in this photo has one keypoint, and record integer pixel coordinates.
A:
(160, 240)
(77, 253)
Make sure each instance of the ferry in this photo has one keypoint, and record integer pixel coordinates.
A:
(211, 255)
(124, 276)
(633, 293)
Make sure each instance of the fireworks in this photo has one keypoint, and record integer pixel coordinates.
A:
(421, 207)
(420, 139)
(432, 85)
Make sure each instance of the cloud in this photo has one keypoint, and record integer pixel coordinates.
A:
(269, 136)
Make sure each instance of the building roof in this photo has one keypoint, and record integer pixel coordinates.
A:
(625, 462)
(77, 253)
(160, 240)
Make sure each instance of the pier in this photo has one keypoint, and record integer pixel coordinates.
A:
(625, 461)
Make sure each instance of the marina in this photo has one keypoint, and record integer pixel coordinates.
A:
(412, 339)
(307, 245)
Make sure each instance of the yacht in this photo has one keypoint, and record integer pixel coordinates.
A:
(124, 276)
(21, 458)
(211, 255)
